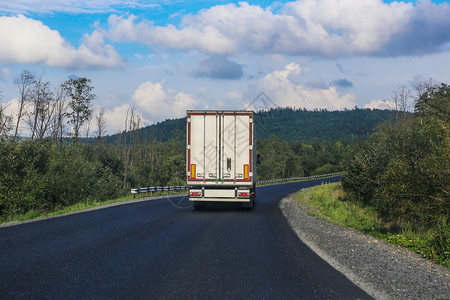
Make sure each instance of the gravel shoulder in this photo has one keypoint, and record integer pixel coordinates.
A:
(384, 271)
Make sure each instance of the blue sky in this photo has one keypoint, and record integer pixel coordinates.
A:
(167, 56)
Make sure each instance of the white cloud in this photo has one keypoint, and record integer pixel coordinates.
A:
(350, 26)
(25, 40)
(231, 100)
(158, 103)
(284, 89)
(115, 118)
(307, 27)
(204, 38)
(11, 109)
(290, 72)
(380, 104)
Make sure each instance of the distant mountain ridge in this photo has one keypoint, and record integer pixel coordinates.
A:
(293, 125)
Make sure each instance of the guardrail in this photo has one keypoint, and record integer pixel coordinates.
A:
(153, 189)
(299, 178)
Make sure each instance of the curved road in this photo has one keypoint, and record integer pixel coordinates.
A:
(153, 249)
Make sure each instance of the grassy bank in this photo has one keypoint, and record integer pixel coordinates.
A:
(328, 202)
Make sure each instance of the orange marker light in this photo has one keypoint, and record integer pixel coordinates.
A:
(193, 171)
(246, 172)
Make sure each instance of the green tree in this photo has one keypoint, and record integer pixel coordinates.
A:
(79, 92)
(434, 102)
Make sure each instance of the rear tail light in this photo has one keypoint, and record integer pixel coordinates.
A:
(195, 194)
(243, 194)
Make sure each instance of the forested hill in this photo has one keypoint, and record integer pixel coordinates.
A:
(287, 124)
(303, 125)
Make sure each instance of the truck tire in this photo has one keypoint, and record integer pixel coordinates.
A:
(249, 205)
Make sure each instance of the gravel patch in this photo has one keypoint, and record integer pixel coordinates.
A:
(384, 271)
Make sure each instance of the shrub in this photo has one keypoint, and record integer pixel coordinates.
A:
(40, 176)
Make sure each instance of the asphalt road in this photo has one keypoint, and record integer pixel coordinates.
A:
(153, 249)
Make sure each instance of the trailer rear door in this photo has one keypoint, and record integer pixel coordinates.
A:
(220, 146)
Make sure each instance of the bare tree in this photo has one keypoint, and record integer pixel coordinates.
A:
(58, 126)
(24, 82)
(41, 100)
(6, 122)
(424, 86)
(47, 115)
(132, 123)
(402, 102)
(101, 123)
(87, 127)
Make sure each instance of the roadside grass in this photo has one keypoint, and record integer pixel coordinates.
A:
(37, 214)
(328, 202)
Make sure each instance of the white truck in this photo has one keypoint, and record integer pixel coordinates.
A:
(220, 157)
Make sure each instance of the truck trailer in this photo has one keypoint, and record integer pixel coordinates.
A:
(220, 157)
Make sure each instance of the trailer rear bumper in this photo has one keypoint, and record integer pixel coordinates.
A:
(219, 199)
(236, 194)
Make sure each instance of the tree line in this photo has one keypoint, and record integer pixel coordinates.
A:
(292, 125)
(301, 125)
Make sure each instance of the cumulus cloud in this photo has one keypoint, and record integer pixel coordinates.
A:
(207, 39)
(11, 108)
(231, 100)
(307, 27)
(115, 118)
(380, 104)
(25, 40)
(427, 30)
(284, 89)
(158, 103)
(218, 67)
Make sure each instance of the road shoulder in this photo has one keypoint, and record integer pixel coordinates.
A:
(384, 271)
